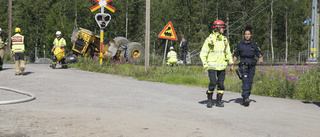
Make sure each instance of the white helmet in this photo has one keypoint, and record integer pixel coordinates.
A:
(0, 29)
(58, 33)
(171, 48)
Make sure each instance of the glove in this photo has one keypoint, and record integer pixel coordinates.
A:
(205, 65)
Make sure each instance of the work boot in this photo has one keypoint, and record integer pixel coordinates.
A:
(246, 101)
(22, 71)
(53, 66)
(209, 102)
(219, 100)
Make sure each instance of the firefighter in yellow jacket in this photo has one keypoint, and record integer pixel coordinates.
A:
(172, 57)
(215, 55)
(3, 43)
(59, 42)
(18, 44)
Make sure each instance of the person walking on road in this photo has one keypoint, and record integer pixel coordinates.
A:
(215, 55)
(3, 43)
(61, 43)
(246, 50)
(172, 57)
(18, 44)
(184, 50)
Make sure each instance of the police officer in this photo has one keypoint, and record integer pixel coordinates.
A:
(3, 43)
(18, 44)
(215, 55)
(172, 57)
(247, 50)
(184, 50)
(58, 42)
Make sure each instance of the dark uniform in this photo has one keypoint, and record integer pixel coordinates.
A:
(247, 52)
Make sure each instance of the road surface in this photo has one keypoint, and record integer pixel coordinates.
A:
(76, 103)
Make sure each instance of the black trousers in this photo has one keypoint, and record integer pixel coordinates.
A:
(183, 56)
(216, 77)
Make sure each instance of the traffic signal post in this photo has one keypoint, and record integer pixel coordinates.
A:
(102, 20)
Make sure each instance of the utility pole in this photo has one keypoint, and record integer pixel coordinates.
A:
(147, 35)
(9, 24)
(313, 44)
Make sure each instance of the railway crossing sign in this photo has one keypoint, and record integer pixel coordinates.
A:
(168, 32)
(102, 3)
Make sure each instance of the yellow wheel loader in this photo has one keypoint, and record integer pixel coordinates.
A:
(86, 43)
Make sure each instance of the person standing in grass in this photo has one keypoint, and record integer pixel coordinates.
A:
(215, 55)
(246, 50)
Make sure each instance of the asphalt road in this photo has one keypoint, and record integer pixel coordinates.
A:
(76, 103)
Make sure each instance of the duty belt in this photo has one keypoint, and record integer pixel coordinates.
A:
(249, 64)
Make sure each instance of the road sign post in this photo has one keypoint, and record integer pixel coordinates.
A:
(102, 20)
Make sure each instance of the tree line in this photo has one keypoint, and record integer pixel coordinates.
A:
(275, 22)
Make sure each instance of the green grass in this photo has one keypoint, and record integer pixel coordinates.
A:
(296, 83)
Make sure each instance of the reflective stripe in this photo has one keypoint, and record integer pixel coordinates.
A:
(220, 91)
(216, 52)
(210, 91)
(204, 61)
(217, 66)
(204, 51)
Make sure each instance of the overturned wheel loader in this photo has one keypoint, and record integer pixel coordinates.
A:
(87, 43)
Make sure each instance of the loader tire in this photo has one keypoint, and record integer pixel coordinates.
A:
(121, 40)
(135, 52)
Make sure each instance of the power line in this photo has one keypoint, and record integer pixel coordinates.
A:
(247, 13)
(253, 16)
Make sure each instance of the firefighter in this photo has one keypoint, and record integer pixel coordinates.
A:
(58, 42)
(18, 44)
(172, 57)
(246, 50)
(3, 43)
(215, 55)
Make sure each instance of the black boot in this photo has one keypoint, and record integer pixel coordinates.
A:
(209, 102)
(246, 101)
(53, 66)
(219, 100)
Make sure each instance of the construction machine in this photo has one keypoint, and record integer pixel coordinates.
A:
(86, 43)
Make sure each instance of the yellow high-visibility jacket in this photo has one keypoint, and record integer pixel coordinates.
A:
(17, 43)
(172, 55)
(215, 53)
(60, 42)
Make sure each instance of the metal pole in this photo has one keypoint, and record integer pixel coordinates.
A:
(313, 32)
(101, 39)
(101, 45)
(10, 24)
(147, 35)
(165, 51)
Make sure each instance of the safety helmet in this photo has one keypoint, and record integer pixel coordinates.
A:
(171, 48)
(218, 24)
(58, 33)
(0, 29)
(17, 30)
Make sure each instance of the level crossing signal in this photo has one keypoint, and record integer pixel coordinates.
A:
(102, 19)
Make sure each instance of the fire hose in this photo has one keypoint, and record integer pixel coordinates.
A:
(31, 96)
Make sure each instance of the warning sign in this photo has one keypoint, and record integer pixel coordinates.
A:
(168, 32)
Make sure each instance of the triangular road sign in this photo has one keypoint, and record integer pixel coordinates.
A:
(168, 32)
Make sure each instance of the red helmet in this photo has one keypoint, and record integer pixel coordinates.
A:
(218, 24)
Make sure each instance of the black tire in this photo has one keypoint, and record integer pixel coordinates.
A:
(71, 58)
(135, 52)
(121, 40)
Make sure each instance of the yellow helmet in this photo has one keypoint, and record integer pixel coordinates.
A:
(17, 30)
